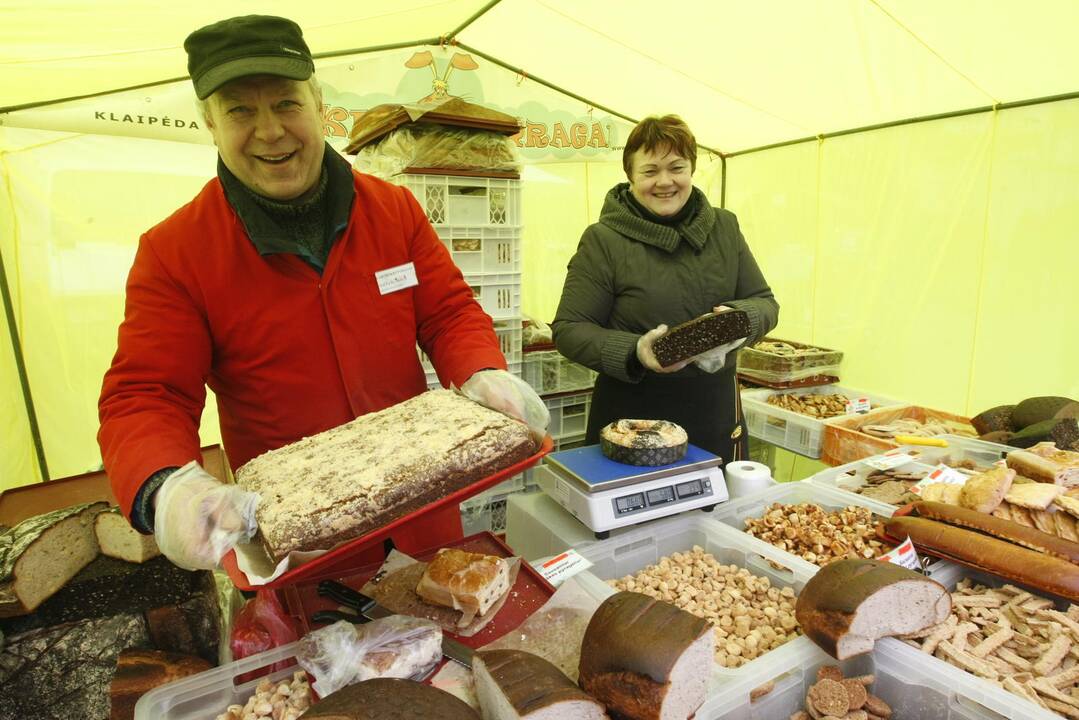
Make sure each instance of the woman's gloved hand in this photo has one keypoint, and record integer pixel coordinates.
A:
(713, 360)
(197, 518)
(510, 395)
(648, 357)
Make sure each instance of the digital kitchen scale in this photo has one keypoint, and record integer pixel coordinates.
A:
(604, 494)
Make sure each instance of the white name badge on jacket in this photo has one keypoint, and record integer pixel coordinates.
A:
(396, 278)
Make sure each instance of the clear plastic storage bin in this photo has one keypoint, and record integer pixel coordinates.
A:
(634, 550)
(483, 250)
(735, 512)
(549, 372)
(802, 434)
(851, 476)
(769, 368)
(208, 694)
(914, 691)
(458, 200)
(976, 689)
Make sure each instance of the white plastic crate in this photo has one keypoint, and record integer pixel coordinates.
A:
(509, 341)
(976, 689)
(569, 414)
(798, 433)
(633, 551)
(549, 372)
(852, 475)
(498, 295)
(912, 690)
(459, 200)
(483, 250)
(735, 512)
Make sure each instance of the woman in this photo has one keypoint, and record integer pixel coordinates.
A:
(661, 255)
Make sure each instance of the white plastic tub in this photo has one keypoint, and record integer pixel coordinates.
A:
(794, 431)
(633, 551)
(915, 691)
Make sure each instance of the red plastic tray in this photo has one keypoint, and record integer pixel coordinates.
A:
(350, 555)
(529, 592)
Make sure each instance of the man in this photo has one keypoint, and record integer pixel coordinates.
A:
(268, 287)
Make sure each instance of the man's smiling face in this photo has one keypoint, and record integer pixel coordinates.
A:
(268, 131)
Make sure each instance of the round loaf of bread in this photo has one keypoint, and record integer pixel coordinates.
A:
(644, 442)
(390, 699)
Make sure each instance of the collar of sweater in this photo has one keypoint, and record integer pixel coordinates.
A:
(619, 215)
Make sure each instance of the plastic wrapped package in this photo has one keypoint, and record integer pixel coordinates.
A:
(777, 362)
(260, 625)
(392, 647)
(844, 442)
(426, 145)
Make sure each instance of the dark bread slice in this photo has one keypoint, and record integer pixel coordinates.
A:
(390, 699)
(700, 335)
(849, 604)
(646, 659)
(40, 554)
(514, 684)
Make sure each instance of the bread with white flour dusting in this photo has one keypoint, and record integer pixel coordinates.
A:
(355, 478)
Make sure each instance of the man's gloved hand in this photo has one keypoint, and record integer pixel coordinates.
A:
(197, 518)
(648, 357)
(713, 360)
(510, 395)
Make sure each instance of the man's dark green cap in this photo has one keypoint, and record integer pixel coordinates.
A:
(247, 45)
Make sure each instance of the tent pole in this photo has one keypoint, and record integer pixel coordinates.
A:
(913, 120)
(20, 365)
(723, 181)
(475, 16)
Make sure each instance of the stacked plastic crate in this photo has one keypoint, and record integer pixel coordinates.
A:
(478, 219)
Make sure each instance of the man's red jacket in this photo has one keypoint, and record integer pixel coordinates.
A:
(288, 352)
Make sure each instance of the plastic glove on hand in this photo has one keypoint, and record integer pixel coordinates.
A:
(197, 518)
(648, 357)
(510, 395)
(713, 360)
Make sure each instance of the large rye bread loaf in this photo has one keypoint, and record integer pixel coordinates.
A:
(390, 699)
(646, 659)
(517, 685)
(849, 604)
(700, 335)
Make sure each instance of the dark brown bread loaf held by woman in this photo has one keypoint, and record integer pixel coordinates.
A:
(646, 659)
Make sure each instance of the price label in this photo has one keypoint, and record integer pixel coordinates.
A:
(940, 474)
(563, 566)
(905, 556)
(889, 460)
(859, 405)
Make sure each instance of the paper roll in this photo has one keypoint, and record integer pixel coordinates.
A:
(745, 477)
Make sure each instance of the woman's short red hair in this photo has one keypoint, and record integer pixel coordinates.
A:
(656, 132)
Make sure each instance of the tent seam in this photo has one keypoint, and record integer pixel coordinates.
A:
(981, 259)
(935, 53)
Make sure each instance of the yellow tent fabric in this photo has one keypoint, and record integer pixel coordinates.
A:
(935, 254)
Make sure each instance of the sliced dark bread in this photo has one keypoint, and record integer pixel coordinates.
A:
(849, 604)
(514, 685)
(40, 554)
(700, 335)
(993, 420)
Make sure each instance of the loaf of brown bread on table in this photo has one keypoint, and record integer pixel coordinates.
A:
(390, 699)
(849, 604)
(140, 671)
(1028, 567)
(517, 685)
(350, 480)
(646, 659)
